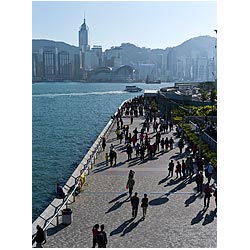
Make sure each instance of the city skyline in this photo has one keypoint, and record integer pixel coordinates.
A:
(110, 25)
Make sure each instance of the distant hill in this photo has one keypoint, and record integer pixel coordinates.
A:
(61, 46)
(132, 55)
(200, 44)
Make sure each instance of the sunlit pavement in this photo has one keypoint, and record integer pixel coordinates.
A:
(175, 216)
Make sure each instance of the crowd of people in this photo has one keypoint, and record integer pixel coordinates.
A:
(153, 138)
(144, 144)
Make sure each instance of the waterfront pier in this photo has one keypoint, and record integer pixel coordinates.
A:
(175, 216)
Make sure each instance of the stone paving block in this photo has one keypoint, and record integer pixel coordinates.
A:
(175, 216)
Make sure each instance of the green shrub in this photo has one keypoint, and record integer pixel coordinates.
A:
(207, 153)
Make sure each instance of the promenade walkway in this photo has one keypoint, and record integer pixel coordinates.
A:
(175, 216)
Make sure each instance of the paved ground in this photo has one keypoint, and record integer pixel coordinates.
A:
(175, 216)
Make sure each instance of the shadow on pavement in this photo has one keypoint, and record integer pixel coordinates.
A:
(118, 197)
(100, 169)
(158, 201)
(111, 139)
(210, 217)
(121, 227)
(191, 199)
(163, 180)
(131, 227)
(117, 205)
(173, 182)
(55, 229)
(198, 217)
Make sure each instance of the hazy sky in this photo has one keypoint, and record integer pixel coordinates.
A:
(151, 24)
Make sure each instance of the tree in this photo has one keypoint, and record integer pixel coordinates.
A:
(204, 96)
(213, 96)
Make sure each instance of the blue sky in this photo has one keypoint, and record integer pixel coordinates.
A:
(151, 24)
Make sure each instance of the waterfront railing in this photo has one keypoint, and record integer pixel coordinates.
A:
(204, 136)
(51, 214)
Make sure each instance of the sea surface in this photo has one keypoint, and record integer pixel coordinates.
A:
(67, 117)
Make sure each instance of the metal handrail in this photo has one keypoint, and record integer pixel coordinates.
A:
(86, 166)
(212, 143)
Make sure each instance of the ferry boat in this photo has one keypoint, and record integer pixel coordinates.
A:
(132, 89)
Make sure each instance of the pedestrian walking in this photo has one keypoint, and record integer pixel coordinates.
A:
(181, 145)
(107, 159)
(190, 166)
(103, 143)
(171, 143)
(111, 157)
(131, 174)
(183, 168)
(135, 132)
(130, 186)
(131, 119)
(95, 233)
(121, 136)
(40, 237)
(166, 144)
(178, 169)
(137, 149)
(129, 151)
(144, 205)
(142, 153)
(102, 240)
(134, 203)
(171, 168)
(207, 196)
(115, 157)
(200, 164)
(162, 144)
(209, 171)
(199, 181)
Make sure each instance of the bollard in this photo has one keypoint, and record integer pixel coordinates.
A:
(66, 216)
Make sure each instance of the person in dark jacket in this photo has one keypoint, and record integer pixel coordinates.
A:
(102, 240)
(171, 168)
(181, 145)
(130, 185)
(199, 181)
(40, 238)
(144, 205)
(59, 192)
(134, 203)
(95, 233)
(208, 194)
(129, 151)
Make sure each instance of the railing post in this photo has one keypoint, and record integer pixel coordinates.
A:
(57, 220)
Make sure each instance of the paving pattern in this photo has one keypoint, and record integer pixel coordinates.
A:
(175, 216)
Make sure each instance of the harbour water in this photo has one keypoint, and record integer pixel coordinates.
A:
(67, 117)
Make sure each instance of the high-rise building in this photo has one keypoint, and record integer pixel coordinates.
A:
(49, 62)
(63, 65)
(84, 45)
(84, 37)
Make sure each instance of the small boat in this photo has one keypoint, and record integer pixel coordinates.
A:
(132, 89)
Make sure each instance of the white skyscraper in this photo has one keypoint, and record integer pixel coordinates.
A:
(84, 37)
(83, 44)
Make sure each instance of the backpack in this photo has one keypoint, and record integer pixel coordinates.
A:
(101, 238)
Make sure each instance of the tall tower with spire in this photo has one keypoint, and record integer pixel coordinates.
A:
(83, 46)
(84, 37)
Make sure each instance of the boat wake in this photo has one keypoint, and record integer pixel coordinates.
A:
(80, 94)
